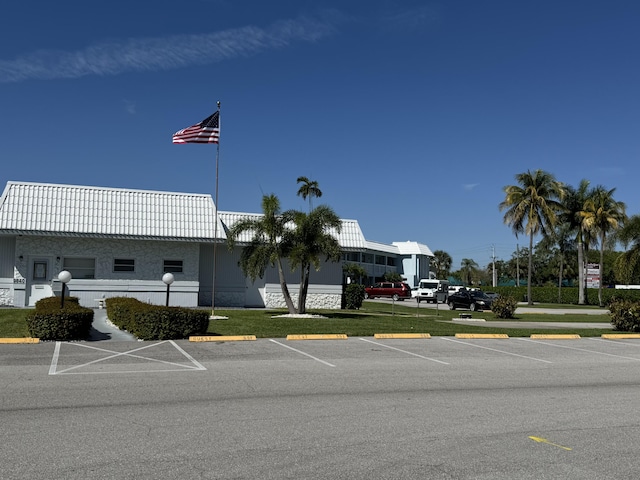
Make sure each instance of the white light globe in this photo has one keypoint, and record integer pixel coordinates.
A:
(64, 276)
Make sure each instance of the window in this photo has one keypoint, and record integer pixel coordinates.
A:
(124, 265)
(40, 270)
(172, 266)
(391, 261)
(352, 256)
(80, 267)
(381, 260)
(367, 258)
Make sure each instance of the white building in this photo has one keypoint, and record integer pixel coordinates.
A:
(120, 242)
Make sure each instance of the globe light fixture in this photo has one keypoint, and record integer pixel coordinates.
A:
(65, 277)
(168, 279)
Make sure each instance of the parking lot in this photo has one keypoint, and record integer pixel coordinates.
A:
(438, 408)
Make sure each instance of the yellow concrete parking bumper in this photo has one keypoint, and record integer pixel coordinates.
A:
(20, 340)
(222, 338)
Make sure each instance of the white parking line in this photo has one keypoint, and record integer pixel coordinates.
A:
(496, 350)
(53, 369)
(302, 353)
(403, 351)
(579, 349)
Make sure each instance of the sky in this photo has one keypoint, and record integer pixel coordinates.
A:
(412, 116)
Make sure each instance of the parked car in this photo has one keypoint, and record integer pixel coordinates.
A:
(454, 289)
(471, 299)
(395, 290)
(492, 295)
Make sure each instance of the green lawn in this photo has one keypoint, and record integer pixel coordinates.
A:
(372, 318)
(384, 318)
(13, 323)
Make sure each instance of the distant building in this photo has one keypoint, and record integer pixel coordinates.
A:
(120, 242)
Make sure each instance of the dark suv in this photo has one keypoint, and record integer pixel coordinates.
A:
(395, 290)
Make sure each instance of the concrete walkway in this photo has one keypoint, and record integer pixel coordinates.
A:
(102, 329)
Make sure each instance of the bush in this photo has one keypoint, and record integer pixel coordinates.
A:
(625, 315)
(354, 296)
(50, 322)
(504, 306)
(153, 322)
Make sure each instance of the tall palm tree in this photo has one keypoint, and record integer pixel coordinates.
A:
(573, 203)
(311, 239)
(532, 207)
(626, 265)
(468, 268)
(602, 215)
(309, 188)
(265, 247)
(442, 263)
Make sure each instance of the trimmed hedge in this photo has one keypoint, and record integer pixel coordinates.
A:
(50, 322)
(568, 295)
(354, 296)
(154, 322)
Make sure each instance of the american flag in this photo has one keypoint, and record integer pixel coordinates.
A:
(207, 131)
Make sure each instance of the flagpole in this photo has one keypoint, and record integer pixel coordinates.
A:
(215, 227)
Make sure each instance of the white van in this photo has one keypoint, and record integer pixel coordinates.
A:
(433, 290)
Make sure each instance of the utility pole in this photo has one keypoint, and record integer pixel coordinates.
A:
(494, 277)
(517, 265)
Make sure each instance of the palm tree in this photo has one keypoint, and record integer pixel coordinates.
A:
(442, 263)
(310, 239)
(468, 268)
(532, 207)
(573, 203)
(265, 248)
(309, 188)
(562, 238)
(602, 215)
(626, 265)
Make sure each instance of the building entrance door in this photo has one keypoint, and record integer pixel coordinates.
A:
(39, 280)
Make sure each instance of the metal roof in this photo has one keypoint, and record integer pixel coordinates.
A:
(349, 238)
(71, 210)
(413, 248)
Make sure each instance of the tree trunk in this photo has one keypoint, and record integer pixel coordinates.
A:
(304, 288)
(580, 272)
(285, 290)
(529, 299)
(560, 279)
(601, 269)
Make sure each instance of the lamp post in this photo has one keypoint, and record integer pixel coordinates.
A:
(168, 279)
(64, 276)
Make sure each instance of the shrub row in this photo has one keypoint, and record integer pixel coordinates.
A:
(568, 295)
(154, 322)
(50, 322)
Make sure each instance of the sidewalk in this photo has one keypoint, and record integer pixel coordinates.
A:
(102, 329)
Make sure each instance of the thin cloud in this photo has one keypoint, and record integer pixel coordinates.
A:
(166, 53)
(130, 107)
(470, 186)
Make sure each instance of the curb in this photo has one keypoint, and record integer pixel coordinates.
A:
(20, 340)
(542, 336)
(482, 335)
(337, 336)
(402, 335)
(222, 338)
